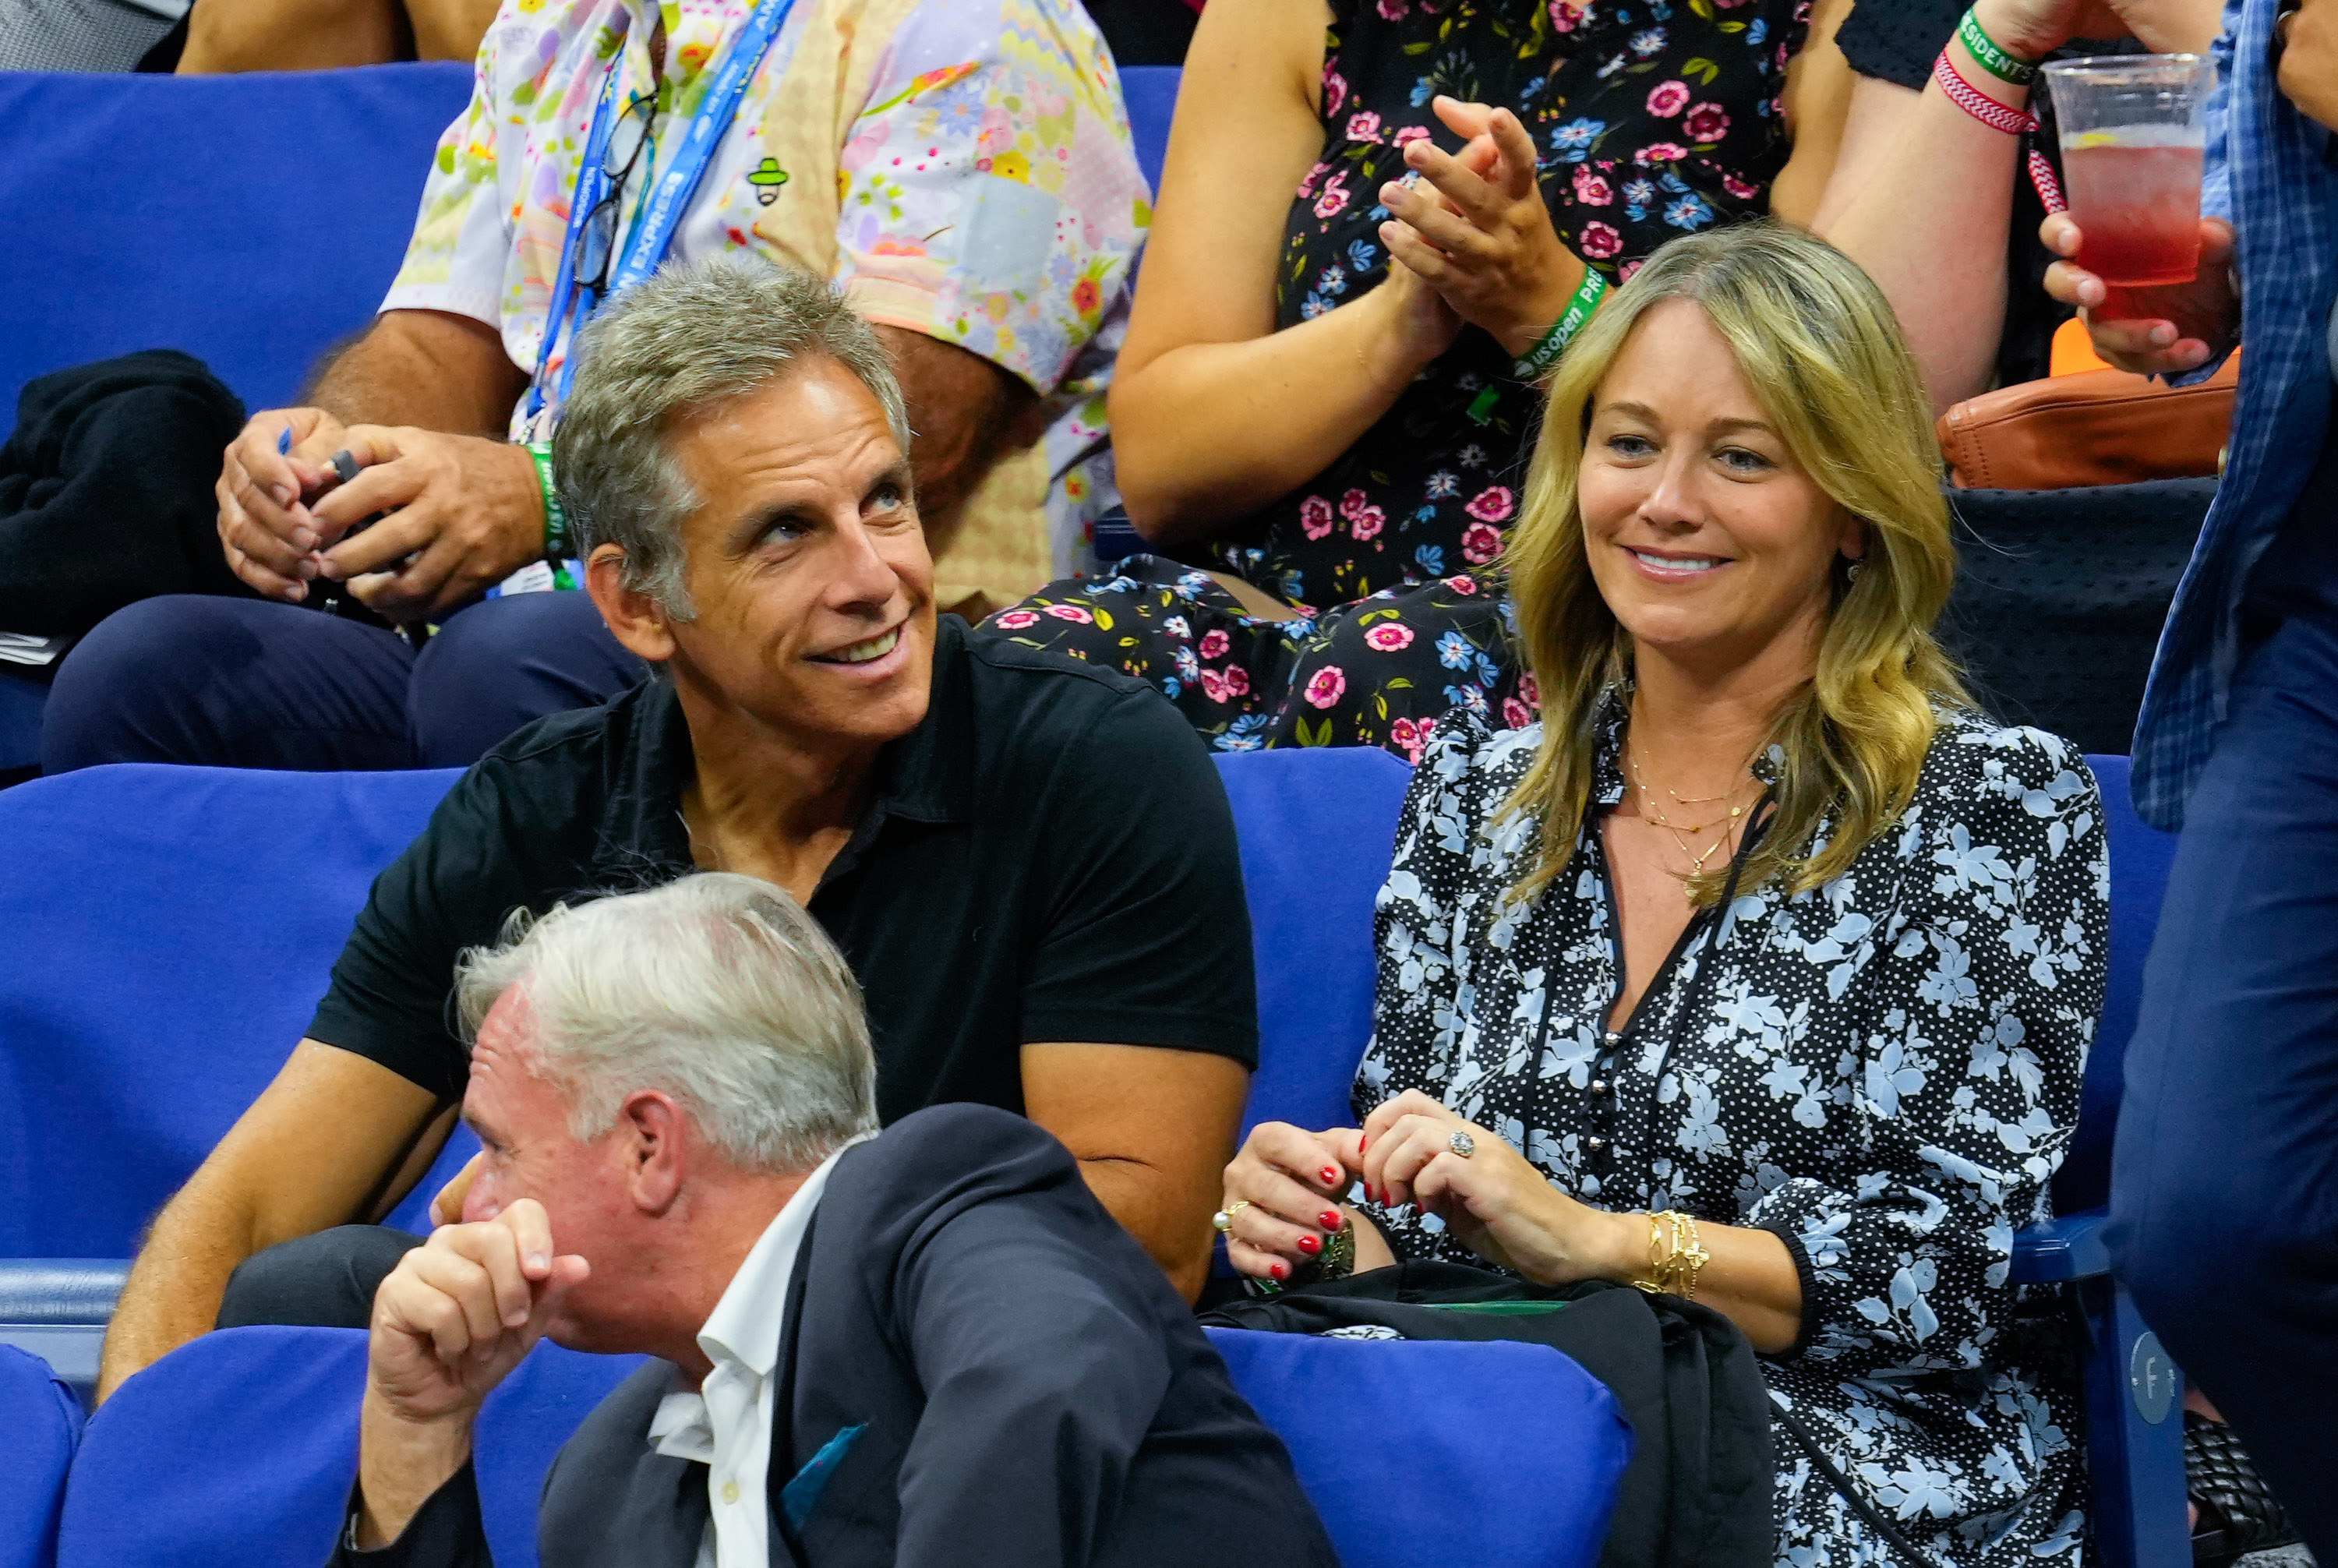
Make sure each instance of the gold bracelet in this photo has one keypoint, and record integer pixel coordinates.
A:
(1676, 1259)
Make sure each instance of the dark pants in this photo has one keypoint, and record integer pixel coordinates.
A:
(2225, 1184)
(322, 1282)
(248, 683)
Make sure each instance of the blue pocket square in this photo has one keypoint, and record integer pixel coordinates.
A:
(799, 1496)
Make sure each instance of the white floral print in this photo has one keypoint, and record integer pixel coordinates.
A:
(1882, 1071)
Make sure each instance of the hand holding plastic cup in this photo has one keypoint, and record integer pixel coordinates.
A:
(2131, 130)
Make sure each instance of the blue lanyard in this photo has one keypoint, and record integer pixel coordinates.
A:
(668, 199)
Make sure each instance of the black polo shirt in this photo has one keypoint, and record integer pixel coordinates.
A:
(1048, 856)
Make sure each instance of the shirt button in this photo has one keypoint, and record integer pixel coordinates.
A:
(1599, 1085)
(1595, 1144)
(730, 1491)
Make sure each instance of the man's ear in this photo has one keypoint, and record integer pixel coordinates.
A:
(657, 1164)
(634, 618)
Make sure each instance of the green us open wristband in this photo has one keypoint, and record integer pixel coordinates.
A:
(1539, 359)
(556, 543)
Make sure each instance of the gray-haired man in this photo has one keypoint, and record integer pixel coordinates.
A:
(1028, 863)
(925, 1346)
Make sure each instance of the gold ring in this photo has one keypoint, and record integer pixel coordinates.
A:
(1224, 1219)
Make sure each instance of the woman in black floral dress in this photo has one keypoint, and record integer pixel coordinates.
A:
(1325, 452)
(1762, 968)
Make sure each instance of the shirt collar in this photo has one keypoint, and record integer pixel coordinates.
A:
(926, 776)
(744, 1326)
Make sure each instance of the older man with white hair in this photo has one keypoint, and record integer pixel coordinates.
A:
(1028, 862)
(928, 1345)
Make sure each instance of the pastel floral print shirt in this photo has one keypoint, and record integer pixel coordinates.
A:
(1883, 1070)
(990, 194)
(1655, 118)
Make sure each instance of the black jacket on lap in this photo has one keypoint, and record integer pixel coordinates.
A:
(106, 490)
(1032, 1389)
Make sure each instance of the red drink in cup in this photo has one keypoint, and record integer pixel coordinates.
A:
(2131, 138)
(2137, 205)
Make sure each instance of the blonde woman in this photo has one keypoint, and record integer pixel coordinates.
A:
(1763, 966)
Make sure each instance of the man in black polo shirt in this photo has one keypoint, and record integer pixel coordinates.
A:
(1028, 863)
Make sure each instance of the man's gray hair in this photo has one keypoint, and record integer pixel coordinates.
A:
(696, 334)
(718, 989)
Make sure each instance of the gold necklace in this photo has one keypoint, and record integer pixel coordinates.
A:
(1648, 810)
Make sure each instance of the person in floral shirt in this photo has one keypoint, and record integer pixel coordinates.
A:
(962, 170)
(1763, 968)
(1371, 209)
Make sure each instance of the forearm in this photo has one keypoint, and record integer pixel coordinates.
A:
(401, 1463)
(1749, 1277)
(1207, 433)
(966, 414)
(1929, 222)
(425, 369)
(173, 1292)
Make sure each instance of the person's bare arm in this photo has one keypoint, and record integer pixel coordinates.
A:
(1815, 106)
(1214, 413)
(428, 368)
(965, 413)
(321, 1146)
(1922, 195)
(230, 36)
(1151, 1129)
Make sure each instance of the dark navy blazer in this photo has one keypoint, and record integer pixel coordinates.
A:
(1028, 1389)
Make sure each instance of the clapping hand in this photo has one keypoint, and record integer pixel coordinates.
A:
(1475, 228)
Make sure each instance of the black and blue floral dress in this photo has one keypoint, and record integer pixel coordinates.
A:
(1655, 118)
(1883, 1071)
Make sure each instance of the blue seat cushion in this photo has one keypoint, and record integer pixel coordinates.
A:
(42, 1421)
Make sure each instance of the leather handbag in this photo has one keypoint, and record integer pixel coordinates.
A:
(2097, 427)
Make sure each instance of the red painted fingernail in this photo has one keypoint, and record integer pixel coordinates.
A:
(1281, 1270)
(1331, 1219)
(1309, 1245)
(1362, 1144)
(1330, 1174)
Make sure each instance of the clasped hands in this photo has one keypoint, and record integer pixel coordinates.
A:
(1471, 238)
(1284, 1191)
(464, 511)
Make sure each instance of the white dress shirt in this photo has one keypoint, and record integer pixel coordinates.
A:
(727, 1425)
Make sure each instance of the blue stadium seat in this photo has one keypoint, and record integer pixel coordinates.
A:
(171, 214)
(1511, 1453)
(169, 930)
(237, 1451)
(1151, 91)
(1317, 827)
(41, 1422)
(2134, 1395)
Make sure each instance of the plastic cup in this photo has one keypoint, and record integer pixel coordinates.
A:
(2131, 138)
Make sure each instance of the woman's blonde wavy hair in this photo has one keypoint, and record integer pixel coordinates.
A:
(1824, 355)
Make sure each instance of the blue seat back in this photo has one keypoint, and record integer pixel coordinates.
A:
(42, 1421)
(1151, 91)
(170, 932)
(1317, 826)
(2140, 857)
(237, 1451)
(1512, 1452)
(252, 221)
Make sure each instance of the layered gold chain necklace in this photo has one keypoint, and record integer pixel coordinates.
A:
(1682, 832)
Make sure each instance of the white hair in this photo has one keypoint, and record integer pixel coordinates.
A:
(716, 988)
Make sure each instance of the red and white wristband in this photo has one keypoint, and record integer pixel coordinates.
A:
(1997, 117)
